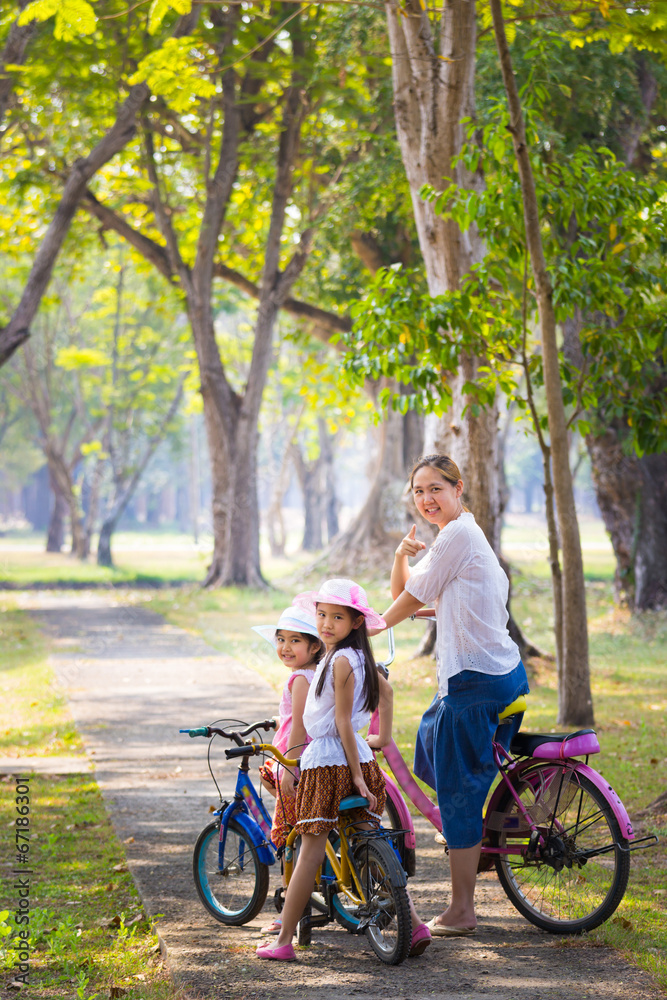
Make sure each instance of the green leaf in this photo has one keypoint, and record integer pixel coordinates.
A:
(73, 17)
(160, 8)
(71, 358)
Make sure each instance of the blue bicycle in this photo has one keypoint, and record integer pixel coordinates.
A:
(233, 854)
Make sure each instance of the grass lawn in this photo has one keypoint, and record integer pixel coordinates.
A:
(88, 929)
(141, 559)
(629, 685)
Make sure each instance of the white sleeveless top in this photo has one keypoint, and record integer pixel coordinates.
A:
(319, 716)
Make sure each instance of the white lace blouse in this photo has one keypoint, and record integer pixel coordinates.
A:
(319, 716)
(461, 575)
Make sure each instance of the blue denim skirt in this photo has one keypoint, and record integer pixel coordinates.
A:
(453, 752)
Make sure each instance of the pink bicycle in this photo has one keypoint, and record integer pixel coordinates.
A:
(556, 831)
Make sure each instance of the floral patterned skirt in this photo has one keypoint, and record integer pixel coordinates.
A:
(284, 813)
(321, 790)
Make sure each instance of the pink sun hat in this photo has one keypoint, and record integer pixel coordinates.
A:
(347, 593)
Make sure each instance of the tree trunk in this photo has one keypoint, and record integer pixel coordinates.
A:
(310, 481)
(632, 496)
(433, 91)
(329, 477)
(90, 518)
(371, 539)
(14, 54)
(104, 557)
(650, 563)
(56, 534)
(61, 476)
(235, 509)
(574, 691)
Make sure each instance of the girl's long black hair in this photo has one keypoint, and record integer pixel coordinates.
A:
(357, 639)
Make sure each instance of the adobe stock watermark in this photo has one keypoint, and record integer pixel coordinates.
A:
(22, 872)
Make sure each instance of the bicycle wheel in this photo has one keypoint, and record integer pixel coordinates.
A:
(385, 913)
(344, 910)
(233, 889)
(573, 880)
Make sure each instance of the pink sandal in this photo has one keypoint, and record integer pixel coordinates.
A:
(285, 953)
(421, 939)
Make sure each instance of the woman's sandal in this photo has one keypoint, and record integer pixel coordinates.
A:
(446, 930)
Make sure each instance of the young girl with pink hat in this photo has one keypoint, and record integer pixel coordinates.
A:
(338, 761)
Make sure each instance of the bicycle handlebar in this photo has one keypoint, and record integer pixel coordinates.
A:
(248, 749)
(391, 653)
(237, 736)
(424, 613)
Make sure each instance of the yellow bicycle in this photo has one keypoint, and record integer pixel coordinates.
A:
(361, 883)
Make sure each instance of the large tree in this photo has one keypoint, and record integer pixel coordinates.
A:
(238, 160)
(433, 68)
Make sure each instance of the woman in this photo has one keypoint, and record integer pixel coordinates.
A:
(479, 669)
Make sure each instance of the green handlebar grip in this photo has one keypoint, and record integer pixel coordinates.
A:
(202, 731)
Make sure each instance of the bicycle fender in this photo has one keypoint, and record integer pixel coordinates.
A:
(394, 794)
(254, 834)
(619, 810)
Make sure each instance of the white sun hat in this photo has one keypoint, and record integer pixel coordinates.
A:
(344, 592)
(291, 620)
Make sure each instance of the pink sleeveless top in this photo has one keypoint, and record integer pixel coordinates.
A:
(283, 733)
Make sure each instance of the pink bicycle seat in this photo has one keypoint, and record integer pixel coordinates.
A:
(555, 746)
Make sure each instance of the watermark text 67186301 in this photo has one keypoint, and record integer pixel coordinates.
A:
(22, 874)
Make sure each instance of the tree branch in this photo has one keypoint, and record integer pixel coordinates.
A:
(325, 323)
(17, 330)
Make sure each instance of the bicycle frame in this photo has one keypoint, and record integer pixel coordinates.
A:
(430, 811)
(344, 875)
(505, 764)
(250, 812)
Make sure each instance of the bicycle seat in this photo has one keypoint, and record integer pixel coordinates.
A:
(353, 802)
(555, 746)
(518, 705)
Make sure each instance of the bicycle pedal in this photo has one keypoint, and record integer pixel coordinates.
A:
(279, 898)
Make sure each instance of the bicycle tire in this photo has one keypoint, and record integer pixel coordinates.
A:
(586, 889)
(385, 914)
(344, 910)
(235, 894)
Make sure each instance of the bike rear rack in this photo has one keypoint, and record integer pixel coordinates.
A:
(640, 844)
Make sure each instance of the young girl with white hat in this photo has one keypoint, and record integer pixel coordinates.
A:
(300, 648)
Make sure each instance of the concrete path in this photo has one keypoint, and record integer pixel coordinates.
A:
(133, 681)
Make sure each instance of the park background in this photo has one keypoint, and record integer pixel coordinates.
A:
(255, 260)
